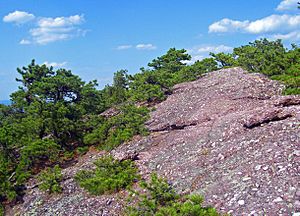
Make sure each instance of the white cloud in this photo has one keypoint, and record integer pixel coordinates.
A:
(60, 22)
(228, 25)
(138, 47)
(57, 29)
(145, 47)
(292, 36)
(273, 23)
(18, 17)
(25, 42)
(214, 49)
(202, 51)
(54, 64)
(287, 5)
(193, 60)
(49, 38)
(48, 29)
(124, 47)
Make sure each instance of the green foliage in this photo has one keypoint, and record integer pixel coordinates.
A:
(292, 91)
(5, 112)
(224, 60)
(91, 100)
(156, 83)
(145, 86)
(33, 155)
(120, 128)
(68, 155)
(50, 179)
(82, 150)
(118, 92)
(7, 189)
(1, 210)
(267, 57)
(109, 176)
(160, 199)
(171, 61)
(45, 118)
(192, 72)
(57, 100)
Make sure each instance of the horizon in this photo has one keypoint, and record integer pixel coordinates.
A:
(5, 102)
(95, 39)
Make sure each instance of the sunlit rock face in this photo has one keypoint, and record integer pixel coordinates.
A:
(231, 137)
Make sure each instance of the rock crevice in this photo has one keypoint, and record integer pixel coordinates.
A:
(174, 127)
(266, 117)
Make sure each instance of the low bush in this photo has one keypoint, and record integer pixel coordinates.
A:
(109, 176)
(50, 180)
(114, 131)
(1, 210)
(82, 150)
(160, 199)
(7, 189)
(34, 154)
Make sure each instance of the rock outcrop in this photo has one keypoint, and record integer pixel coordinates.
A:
(228, 135)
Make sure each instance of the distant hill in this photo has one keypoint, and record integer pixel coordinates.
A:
(5, 102)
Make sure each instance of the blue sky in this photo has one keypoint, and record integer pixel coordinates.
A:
(95, 38)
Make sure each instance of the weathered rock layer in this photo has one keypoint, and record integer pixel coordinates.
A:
(228, 135)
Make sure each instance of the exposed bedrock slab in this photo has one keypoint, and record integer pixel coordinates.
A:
(231, 137)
